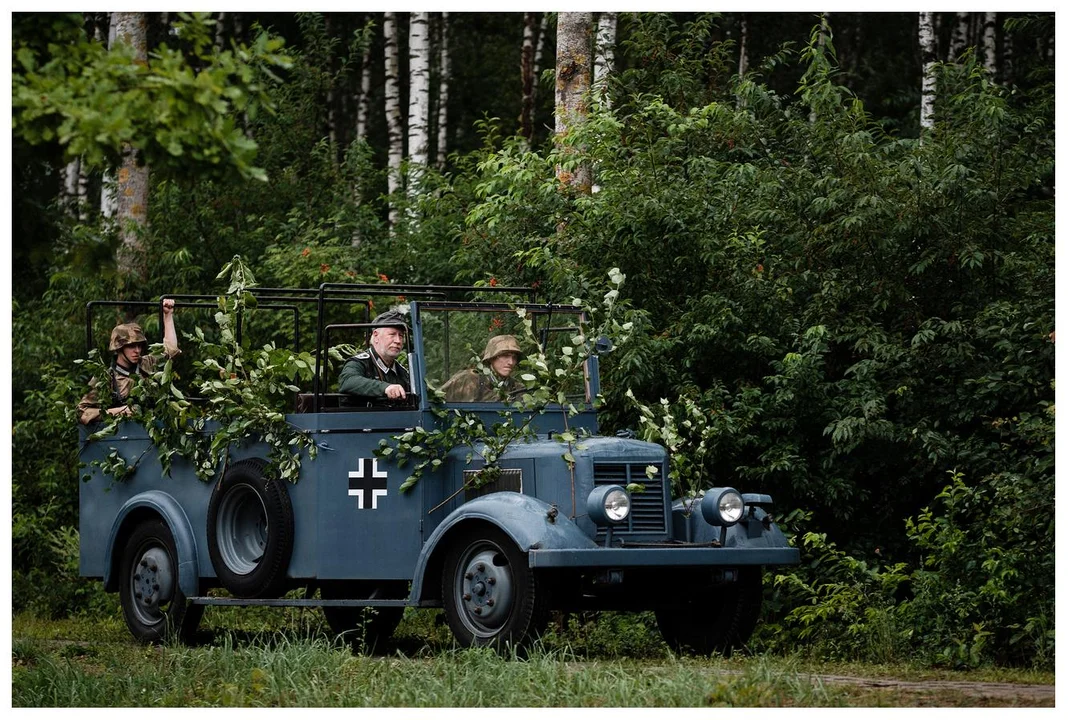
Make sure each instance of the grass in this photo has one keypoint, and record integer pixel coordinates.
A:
(286, 658)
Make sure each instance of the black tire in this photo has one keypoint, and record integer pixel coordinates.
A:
(365, 629)
(491, 595)
(153, 605)
(250, 531)
(720, 620)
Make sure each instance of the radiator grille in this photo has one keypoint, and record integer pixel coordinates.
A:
(648, 510)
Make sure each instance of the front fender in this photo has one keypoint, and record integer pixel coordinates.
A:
(162, 504)
(525, 519)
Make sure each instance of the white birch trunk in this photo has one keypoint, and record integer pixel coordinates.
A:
(132, 179)
(526, 117)
(394, 121)
(743, 45)
(108, 202)
(70, 175)
(990, 61)
(363, 102)
(418, 100)
(573, 69)
(927, 95)
(443, 92)
(959, 42)
(605, 58)
(539, 54)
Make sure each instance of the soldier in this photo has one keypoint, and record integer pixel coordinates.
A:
(501, 356)
(129, 345)
(375, 374)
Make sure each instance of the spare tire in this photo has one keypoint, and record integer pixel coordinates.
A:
(250, 531)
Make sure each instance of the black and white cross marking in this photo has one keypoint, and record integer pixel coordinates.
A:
(366, 489)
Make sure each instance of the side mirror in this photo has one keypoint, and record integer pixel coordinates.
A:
(602, 345)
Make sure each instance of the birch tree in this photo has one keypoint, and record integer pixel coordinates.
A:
(394, 128)
(131, 182)
(363, 102)
(743, 44)
(418, 99)
(443, 91)
(526, 117)
(572, 88)
(990, 43)
(959, 41)
(605, 57)
(927, 95)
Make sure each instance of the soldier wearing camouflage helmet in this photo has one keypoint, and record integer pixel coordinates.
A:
(130, 346)
(375, 375)
(501, 355)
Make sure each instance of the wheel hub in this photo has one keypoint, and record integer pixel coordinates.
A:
(487, 591)
(152, 583)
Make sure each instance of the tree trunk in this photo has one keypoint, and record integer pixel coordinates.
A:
(960, 37)
(743, 45)
(526, 117)
(443, 92)
(927, 95)
(363, 102)
(393, 112)
(220, 35)
(605, 58)
(990, 61)
(418, 100)
(572, 88)
(132, 179)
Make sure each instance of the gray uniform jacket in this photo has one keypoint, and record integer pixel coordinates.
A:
(365, 376)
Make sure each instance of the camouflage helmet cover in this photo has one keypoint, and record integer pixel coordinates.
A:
(499, 345)
(126, 334)
(390, 319)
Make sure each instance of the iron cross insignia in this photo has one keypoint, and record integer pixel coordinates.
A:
(366, 489)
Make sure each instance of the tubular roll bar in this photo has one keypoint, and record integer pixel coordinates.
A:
(290, 298)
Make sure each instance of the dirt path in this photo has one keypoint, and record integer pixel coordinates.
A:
(986, 693)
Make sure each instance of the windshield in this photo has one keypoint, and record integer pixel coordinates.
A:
(482, 354)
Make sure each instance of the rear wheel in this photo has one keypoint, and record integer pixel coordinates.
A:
(366, 629)
(717, 620)
(153, 605)
(491, 595)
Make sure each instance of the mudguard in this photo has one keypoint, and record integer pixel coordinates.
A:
(529, 522)
(172, 513)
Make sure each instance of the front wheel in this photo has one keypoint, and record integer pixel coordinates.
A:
(491, 595)
(152, 603)
(717, 620)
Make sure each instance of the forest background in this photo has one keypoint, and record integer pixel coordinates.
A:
(837, 232)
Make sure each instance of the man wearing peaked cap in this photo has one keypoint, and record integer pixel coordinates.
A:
(130, 346)
(375, 374)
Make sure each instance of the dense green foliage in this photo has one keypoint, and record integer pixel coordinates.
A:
(859, 322)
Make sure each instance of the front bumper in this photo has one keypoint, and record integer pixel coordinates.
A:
(670, 556)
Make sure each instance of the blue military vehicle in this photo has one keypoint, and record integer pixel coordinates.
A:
(498, 558)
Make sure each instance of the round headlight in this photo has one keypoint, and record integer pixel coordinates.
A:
(608, 505)
(617, 505)
(722, 506)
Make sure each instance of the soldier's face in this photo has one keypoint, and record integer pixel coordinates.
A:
(131, 354)
(388, 342)
(504, 364)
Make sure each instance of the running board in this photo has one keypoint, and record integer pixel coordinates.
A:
(295, 602)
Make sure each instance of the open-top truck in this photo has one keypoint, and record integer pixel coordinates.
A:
(498, 558)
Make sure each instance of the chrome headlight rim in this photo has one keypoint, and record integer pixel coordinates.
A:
(608, 505)
(723, 506)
